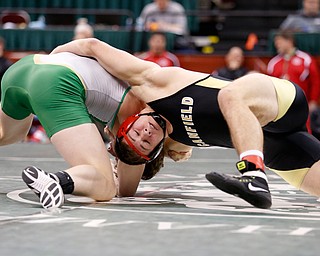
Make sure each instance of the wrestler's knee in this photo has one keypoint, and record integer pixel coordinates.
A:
(228, 97)
(93, 182)
(106, 193)
(105, 190)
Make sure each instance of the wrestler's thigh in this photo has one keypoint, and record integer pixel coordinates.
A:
(311, 182)
(255, 91)
(13, 130)
(291, 156)
(83, 145)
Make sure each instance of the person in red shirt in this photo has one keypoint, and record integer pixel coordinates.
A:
(157, 52)
(297, 66)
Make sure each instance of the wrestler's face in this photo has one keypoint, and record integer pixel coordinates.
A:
(145, 134)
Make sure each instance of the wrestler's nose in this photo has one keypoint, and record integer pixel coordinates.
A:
(147, 131)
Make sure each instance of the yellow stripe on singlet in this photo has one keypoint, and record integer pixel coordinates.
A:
(286, 93)
(294, 177)
(37, 60)
(285, 90)
(212, 82)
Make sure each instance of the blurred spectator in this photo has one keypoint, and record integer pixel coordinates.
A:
(296, 66)
(234, 65)
(83, 29)
(5, 63)
(37, 133)
(207, 24)
(157, 51)
(225, 4)
(166, 16)
(306, 20)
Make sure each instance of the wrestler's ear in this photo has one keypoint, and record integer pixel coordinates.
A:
(108, 132)
(110, 148)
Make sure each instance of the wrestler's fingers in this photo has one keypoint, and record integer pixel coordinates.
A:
(179, 156)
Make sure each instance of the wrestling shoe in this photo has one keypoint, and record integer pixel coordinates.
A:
(251, 186)
(45, 186)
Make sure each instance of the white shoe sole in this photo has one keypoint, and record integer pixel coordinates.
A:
(48, 189)
(52, 195)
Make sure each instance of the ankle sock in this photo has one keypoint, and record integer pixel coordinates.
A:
(254, 159)
(65, 182)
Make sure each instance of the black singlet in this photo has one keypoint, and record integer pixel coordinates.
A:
(197, 121)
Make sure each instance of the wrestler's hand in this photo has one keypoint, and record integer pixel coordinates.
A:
(176, 150)
(179, 156)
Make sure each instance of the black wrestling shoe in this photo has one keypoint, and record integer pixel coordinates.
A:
(252, 186)
(45, 186)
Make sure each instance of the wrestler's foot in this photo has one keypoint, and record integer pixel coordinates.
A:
(252, 186)
(45, 186)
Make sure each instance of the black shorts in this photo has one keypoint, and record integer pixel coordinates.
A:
(289, 149)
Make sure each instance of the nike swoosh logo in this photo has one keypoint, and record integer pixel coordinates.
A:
(253, 188)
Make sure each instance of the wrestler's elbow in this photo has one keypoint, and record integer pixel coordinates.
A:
(91, 44)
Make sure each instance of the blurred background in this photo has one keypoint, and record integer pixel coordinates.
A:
(213, 27)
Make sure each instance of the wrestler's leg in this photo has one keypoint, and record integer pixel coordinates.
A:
(311, 152)
(83, 148)
(311, 182)
(12, 130)
(247, 104)
(295, 158)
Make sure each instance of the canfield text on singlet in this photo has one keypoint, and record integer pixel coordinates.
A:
(187, 119)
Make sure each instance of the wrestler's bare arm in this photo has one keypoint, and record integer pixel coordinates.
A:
(137, 72)
(129, 177)
(119, 63)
